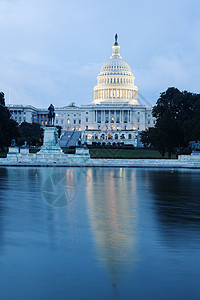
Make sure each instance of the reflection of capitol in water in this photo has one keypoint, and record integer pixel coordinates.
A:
(112, 213)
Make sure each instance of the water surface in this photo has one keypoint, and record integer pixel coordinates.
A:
(110, 233)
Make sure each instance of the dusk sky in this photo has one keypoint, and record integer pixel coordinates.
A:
(52, 51)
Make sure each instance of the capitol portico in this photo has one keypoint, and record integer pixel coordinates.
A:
(114, 116)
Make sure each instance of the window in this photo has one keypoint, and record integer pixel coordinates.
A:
(125, 116)
(68, 121)
(79, 121)
(74, 121)
(129, 136)
(138, 120)
(148, 121)
(56, 121)
(86, 120)
(86, 112)
(98, 116)
(62, 121)
(138, 112)
(86, 127)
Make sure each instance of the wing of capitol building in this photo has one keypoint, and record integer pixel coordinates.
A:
(114, 116)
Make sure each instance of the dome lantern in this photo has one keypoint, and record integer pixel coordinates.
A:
(116, 48)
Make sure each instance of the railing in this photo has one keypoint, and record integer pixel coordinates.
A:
(70, 138)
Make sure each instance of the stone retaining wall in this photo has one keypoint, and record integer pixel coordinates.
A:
(84, 160)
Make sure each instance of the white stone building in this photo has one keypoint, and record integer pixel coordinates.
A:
(114, 116)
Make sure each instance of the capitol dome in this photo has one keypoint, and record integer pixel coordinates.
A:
(115, 83)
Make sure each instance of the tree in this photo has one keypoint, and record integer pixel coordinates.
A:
(152, 137)
(32, 133)
(177, 121)
(8, 127)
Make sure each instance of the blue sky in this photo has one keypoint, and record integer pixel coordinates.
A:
(52, 51)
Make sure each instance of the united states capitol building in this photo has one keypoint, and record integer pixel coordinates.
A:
(114, 116)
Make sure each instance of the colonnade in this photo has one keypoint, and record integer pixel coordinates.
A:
(114, 93)
(112, 116)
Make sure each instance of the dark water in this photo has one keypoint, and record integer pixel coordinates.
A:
(99, 233)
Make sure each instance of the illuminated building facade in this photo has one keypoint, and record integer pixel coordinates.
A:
(114, 116)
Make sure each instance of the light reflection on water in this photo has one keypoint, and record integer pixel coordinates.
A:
(112, 215)
(127, 233)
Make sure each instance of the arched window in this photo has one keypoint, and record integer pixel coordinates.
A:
(116, 136)
(129, 136)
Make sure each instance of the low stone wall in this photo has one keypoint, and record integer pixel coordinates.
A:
(70, 160)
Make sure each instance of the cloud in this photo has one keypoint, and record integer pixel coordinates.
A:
(55, 50)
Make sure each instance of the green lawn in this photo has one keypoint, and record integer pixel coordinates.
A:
(125, 153)
(3, 154)
(33, 150)
(112, 153)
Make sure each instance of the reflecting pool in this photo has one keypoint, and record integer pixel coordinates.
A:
(99, 233)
